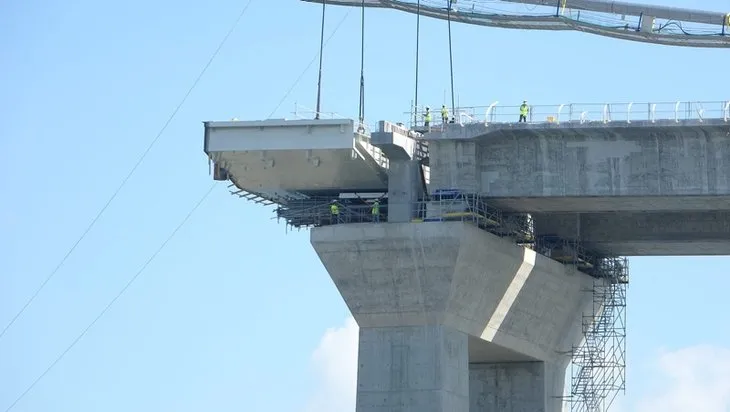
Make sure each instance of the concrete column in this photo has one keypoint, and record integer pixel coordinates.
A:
(515, 387)
(404, 189)
(413, 369)
(455, 164)
(427, 287)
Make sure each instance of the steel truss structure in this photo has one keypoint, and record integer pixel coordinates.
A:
(628, 21)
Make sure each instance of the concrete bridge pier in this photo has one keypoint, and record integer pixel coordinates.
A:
(453, 318)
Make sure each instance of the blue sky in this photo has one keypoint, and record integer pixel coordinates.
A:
(230, 313)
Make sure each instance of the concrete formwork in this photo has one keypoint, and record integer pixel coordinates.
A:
(453, 318)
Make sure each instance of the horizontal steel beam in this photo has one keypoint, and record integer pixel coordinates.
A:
(553, 22)
(633, 9)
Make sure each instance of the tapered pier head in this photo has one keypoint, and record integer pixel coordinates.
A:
(454, 318)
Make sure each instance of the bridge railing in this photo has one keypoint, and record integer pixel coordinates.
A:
(304, 112)
(626, 112)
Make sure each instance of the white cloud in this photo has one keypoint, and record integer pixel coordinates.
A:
(696, 378)
(691, 379)
(335, 363)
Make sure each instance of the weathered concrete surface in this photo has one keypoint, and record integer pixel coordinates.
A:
(414, 369)
(639, 189)
(514, 304)
(396, 142)
(643, 233)
(597, 204)
(584, 160)
(497, 387)
(405, 187)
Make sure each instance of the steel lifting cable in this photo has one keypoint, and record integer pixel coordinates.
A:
(362, 67)
(321, 52)
(306, 69)
(418, 36)
(451, 61)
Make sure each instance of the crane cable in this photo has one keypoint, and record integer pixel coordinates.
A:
(451, 61)
(321, 52)
(418, 37)
(154, 255)
(127, 177)
(361, 114)
(306, 69)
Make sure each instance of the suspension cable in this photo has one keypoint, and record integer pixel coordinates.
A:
(362, 66)
(451, 61)
(321, 52)
(418, 36)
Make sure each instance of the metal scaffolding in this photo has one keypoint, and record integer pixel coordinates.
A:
(316, 212)
(598, 370)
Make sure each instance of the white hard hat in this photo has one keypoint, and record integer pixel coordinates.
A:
(428, 108)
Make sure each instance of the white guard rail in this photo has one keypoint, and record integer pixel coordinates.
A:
(627, 112)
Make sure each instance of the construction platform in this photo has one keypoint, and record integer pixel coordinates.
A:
(282, 159)
(625, 181)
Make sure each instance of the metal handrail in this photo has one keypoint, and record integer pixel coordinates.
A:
(488, 113)
(304, 112)
(627, 112)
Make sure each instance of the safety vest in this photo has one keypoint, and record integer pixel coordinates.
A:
(376, 208)
(334, 209)
(444, 113)
(427, 116)
(523, 110)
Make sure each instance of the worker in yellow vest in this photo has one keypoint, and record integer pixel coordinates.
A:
(524, 110)
(376, 211)
(444, 114)
(334, 212)
(427, 117)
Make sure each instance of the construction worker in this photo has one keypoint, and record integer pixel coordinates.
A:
(376, 211)
(334, 212)
(524, 110)
(444, 114)
(427, 117)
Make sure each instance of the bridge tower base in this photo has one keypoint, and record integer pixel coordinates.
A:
(453, 318)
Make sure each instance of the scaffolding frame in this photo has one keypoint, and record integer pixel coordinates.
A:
(598, 364)
(454, 205)
(315, 212)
